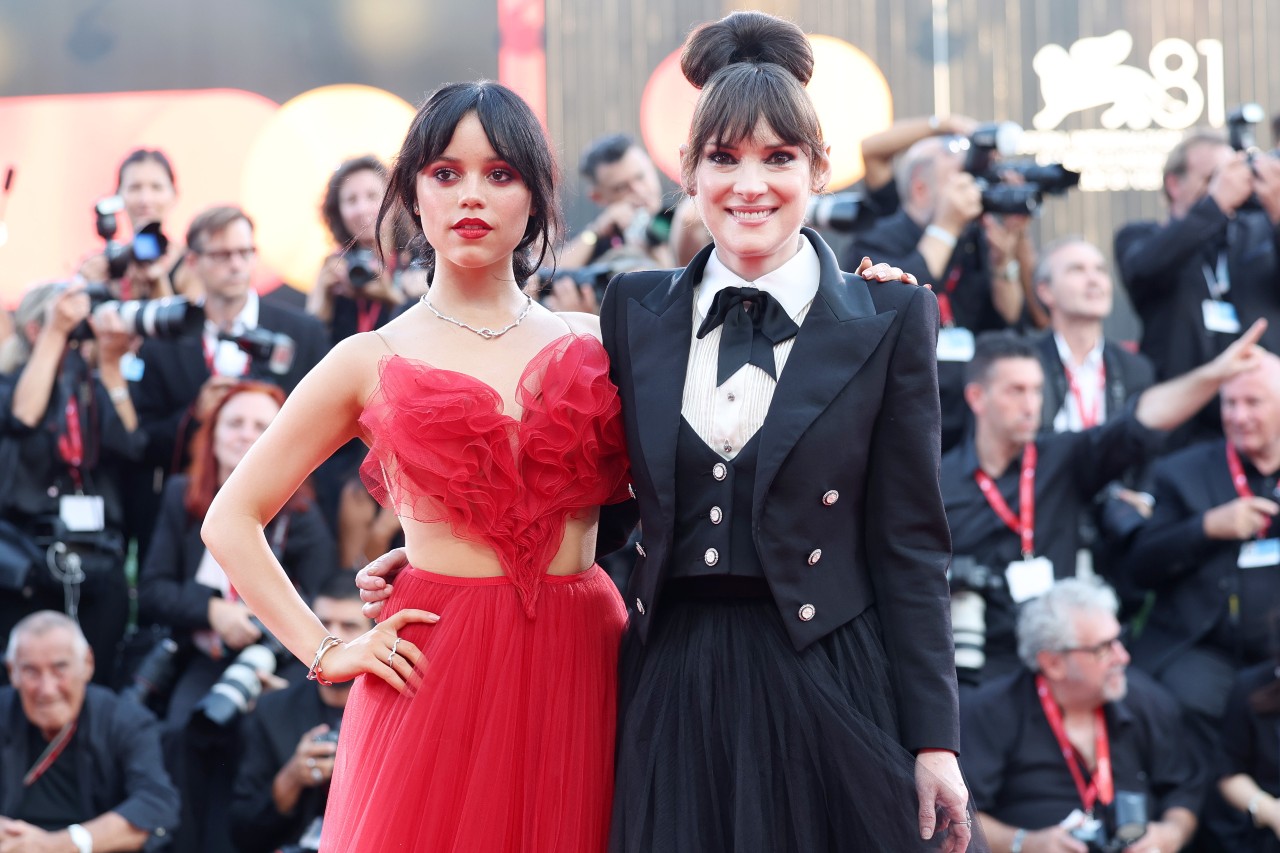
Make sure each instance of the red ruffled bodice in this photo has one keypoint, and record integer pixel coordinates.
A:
(443, 449)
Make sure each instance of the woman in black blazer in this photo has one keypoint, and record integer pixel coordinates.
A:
(787, 679)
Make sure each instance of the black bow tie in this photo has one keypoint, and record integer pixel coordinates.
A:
(753, 323)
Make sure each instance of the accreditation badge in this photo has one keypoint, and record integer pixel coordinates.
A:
(1029, 578)
(1259, 554)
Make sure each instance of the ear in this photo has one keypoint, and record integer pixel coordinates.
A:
(973, 395)
(88, 663)
(821, 171)
(1044, 294)
(1052, 664)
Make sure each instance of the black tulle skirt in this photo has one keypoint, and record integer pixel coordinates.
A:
(731, 741)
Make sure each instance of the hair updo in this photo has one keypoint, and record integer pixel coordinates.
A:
(751, 67)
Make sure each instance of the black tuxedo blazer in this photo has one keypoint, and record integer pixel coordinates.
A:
(175, 369)
(1128, 375)
(855, 412)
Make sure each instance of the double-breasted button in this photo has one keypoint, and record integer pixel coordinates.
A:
(807, 612)
(711, 557)
(640, 549)
(640, 607)
(719, 471)
(814, 556)
(829, 498)
(716, 514)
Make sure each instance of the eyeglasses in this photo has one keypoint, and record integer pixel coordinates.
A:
(1102, 650)
(221, 256)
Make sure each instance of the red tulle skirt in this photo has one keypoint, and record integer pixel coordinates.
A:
(508, 743)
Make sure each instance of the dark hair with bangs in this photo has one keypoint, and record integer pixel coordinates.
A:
(517, 137)
(331, 206)
(751, 67)
(145, 155)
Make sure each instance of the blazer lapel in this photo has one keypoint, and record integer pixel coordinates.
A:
(659, 329)
(837, 337)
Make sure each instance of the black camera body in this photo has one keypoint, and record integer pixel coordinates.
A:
(1129, 816)
(844, 213)
(166, 318)
(966, 574)
(239, 686)
(998, 196)
(362, 266)
(330, 736)
(275, 350)
(148, 245)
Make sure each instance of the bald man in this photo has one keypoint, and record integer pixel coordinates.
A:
(1211, 552)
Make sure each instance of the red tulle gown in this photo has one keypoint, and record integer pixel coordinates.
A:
(508, 743)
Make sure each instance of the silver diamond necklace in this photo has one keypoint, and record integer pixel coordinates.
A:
(484, 331)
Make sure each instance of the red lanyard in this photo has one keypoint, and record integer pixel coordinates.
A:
(1025, 523)
(71, 444)
(50, 754)
(1101, 787)
(945, 312)
(367, 311)
(1241, 483)
(1093, 415)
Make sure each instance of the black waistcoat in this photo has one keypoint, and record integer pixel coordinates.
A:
(713, 510)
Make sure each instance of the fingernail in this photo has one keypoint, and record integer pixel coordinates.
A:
(926, 834)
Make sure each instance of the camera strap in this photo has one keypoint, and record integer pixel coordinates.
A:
(1101, 787)
(55, 748)
(71, 442)
(1023, 524)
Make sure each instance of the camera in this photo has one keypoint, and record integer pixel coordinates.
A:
(1004, 198)
(239, 685)
(844, 213)
(970, 581)
(362, 267)
(155, 675)
(330, 736)
(597, 275)
(148, 245)
(1242, 128)
(165, 318)
(274, 349)
(1130, 819)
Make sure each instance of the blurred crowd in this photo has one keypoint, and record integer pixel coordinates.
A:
(1116, 579)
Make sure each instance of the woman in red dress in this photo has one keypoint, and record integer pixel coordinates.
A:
(482, 717)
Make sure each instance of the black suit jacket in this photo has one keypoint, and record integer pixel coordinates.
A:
(175, 369)
(855, 411)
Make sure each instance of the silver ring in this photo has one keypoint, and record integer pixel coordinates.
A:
(391, 659)
(316, 775)
(311, 762)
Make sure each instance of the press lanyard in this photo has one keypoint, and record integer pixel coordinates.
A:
(367, 311)
(71, 443)
(1101, 787)
(1093, 415)
(1241, 482)
(945, 312)
(50, 754)
(1025, 525)
(1217, 277)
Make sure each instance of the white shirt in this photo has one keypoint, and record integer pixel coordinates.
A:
(229, 359)
(726, 417)
(1089, 381)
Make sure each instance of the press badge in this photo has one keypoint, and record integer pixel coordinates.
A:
(132, 367)
(1259, 553)
(1220, 316)
(1028, 579)
(82, 513)
(955, 344)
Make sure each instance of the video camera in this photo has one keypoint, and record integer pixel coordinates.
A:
(148, 245)
(165, 318)
(998, 196)
(274, 349)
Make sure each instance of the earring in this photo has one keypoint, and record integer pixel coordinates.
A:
(416, 212)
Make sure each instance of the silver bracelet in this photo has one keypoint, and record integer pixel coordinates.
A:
(941, 234)
(315, 673)
(1018, 837)
(81, 838)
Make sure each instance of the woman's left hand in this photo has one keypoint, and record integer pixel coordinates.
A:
(941, 791)
(884, 272)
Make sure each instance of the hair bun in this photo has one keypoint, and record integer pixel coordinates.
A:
(753, 37)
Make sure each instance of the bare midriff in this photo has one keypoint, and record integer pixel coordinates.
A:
(434, 548)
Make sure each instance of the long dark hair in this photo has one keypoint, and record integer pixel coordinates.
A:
(331, 207)
(517, 137)
(751, 67)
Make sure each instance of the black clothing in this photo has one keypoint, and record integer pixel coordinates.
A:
(713, 514)
(893, 240)
(853, 420)
(1017, 774)
(118, 765)
(53, 800)
(1194, 577)
(347, 311)
(1164, 269)
(1128, 375)
(1251, 745)
(270, 735)
(1070, 470)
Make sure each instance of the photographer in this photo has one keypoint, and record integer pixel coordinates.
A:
(289, 744)
(145, 184)
(1072, 753)
(1212, 269)
(66, 436)
(354, 292)
(181, 587)
(975, 262)
(879, 150)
